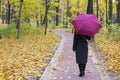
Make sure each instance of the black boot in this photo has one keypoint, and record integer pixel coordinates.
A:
(84, 66)
(82, 69)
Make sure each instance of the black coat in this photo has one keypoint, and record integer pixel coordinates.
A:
(80, 46)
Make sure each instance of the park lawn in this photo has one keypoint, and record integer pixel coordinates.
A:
(27, 57)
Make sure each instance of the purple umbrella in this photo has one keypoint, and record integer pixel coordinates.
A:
(86, 24)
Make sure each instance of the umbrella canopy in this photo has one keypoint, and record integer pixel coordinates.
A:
(86, 24)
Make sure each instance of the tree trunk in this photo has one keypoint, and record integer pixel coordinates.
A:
(97, 8)
(37, 22)
(3, 17)
(77, 5)
(6, 16)
(57, 11)
(106, 14)
(68, 9)
(13, 16)
(8, 13)
(63, 12)
(18, 21)
(45, 18)
(41, 19)
(118, 12)
(110, 11)
(12, 13)
(90, 7)
(90, 11)
(67, 14)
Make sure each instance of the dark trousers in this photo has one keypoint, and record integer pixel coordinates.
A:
(82, 68)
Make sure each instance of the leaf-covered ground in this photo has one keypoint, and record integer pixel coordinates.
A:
(111, 52)
(27, 57)
(110, 48)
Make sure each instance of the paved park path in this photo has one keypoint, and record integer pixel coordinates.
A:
(63, 65)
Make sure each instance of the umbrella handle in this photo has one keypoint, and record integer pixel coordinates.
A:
(73, 30)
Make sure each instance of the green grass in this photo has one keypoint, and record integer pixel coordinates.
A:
(25, 29)
(112, 31)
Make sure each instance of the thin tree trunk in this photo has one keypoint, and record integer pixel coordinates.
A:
(45, 18)
(67, 15)
(118, 12)
(12, 13)
(41, 19)
(57, 18)
(77, 5)
(106, 14)
(37, 22)
(8, 13)
(97, 8)
(57, 11)
(18, 21)
(68, 9)
(13, 16)
(3, 17)
(110, 11)
(6, 16)
(63, 12)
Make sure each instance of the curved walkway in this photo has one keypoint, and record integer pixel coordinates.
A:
(63, 65)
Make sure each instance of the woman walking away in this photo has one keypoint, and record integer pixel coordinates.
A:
(80, 46)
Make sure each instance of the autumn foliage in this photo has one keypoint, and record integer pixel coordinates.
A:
(27, 57)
